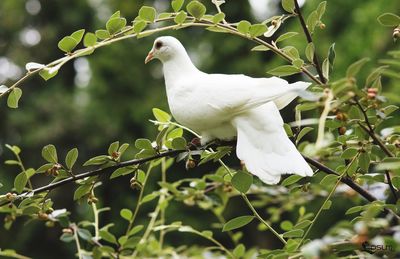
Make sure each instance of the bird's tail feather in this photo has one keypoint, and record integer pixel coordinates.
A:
(264, 147)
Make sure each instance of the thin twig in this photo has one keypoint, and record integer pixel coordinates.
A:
(122, 35)
(326, 201)
(139, 200)
(371, 131)
(309, 40)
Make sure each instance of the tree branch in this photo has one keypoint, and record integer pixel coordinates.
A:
(371, 131)
(346, 180)
(309, 40)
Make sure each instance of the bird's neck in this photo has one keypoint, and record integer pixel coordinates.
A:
(178, 66)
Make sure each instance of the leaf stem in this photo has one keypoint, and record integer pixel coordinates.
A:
(309, 40)
(139, 200)
(326, 200)
(279, 236)
(78, 246)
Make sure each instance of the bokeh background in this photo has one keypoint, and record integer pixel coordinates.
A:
(108, 96)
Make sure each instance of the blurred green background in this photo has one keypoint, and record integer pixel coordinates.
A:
(108, 96)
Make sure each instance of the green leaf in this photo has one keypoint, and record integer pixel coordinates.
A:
(302, 133)
(20, 182)
(244, 26)
(123, 148)
(239, 251)
(312, 21)
(89, 40)
(107, 236)
(298, 63)
(179, 143)
(218, 18)
(98, 160)
(354, 68)
(102, 34)
(175, 133)
(177, 5)
(161, 115)
(260, 48)
(354, 210)
(143, 143)
(288, 6)
(48, 73)
(288, 130)
(331, 55)
(293, 233)
(114, 25)
(329, 179)
(180, 17)
(196, 9)
(71, 157)
(327, 205)
(285, 70)
(135, 230)
(67, 44)
(44, 168)
(321, 9)
(123, 171)
(117, 14)
(306, 106)
(389, 19)
(49, 153)
(113, 148)
(237, 223)
(13, 98)
(82, 191)
(78, 35)
(291, 180)
(139, 26)
(325, 68)
(389, 109)
(66, 237)
(84, 234)
(349, 153)
(149, 197)
(257, 30)
(242, 181)
(286, 36)
(364, 161)
(147, 13)
(396, 182)
(140, 176)
(310, 52)
(286, 225)
(302, 224)
(126, 214)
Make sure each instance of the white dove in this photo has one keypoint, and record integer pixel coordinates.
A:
(220, 106)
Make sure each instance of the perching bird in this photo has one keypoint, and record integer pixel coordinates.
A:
(220, 106)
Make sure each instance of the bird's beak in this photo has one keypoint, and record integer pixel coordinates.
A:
(149, 57)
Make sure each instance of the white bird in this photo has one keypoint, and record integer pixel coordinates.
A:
(220, 106)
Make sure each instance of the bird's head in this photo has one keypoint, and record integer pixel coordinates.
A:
(164, 48)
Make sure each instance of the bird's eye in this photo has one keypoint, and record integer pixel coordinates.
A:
(159, 44)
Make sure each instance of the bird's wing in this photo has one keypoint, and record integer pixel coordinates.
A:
(238, 93)
(264, 146)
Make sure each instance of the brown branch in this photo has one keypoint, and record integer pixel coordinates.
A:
(368, 196)
(98, 171)
(309, 40)
(349, 182)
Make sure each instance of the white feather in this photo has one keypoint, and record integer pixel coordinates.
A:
(223, 106)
